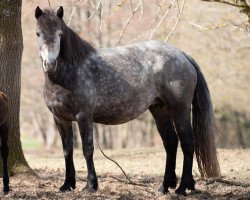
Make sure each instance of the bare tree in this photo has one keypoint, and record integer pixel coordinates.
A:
(11, 48)
(243, 5)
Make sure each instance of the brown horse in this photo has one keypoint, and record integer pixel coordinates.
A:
(4, 139)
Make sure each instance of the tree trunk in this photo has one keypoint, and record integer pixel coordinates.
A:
(11, 48)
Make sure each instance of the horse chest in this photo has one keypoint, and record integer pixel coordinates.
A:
(60, 104)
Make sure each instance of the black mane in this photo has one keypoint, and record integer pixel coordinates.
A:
(73, 48)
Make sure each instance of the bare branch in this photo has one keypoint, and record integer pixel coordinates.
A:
(127, 23)
(102, 21)
(177, 21)
(96, 9)
(156, 15)
(72, 13)
(119, 5)
(142, 10)
(160, 22)
(200, 28)
(244, 6)
(138, 37)
(49, 3)
(225, 2)
(132, 6)
(30, 3)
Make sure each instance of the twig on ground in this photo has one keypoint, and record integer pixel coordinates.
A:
(234, 183)
(131, 183)
(129, 180)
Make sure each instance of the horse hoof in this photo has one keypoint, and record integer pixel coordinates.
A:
(69, 184)
(192, 188)
(6, 190)
(66, 187)
(171, 182)
(181, 191)
(89, 189)
(163, 190)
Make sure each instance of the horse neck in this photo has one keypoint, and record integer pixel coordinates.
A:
(64, 75)
(73, 53)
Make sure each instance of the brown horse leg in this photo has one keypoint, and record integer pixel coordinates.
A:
(66, 133)
(184, 130)
(5, 153)
(86, 130)
(167, 132)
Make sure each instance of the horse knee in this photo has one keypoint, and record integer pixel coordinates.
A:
(6, 179)
(4, 150)
(88, 150)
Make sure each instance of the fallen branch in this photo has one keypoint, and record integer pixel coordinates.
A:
(131, 183)
(233, 183)
(129, 180)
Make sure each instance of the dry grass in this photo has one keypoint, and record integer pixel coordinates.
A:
(142, 165)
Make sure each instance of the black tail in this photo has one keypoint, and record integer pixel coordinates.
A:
(204, 127)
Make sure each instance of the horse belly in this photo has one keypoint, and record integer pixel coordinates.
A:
(120, 111)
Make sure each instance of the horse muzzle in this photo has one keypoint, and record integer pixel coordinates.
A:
(50, 66)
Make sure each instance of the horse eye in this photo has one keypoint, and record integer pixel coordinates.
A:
(60, 34)
(38, 34)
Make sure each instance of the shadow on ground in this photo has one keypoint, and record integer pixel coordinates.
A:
(113, 186)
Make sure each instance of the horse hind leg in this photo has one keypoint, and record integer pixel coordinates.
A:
(5, 153)
(182, 123)
(167, 132)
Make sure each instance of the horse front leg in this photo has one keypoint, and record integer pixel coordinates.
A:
(85, 124)
(66, 133)
(5, 153)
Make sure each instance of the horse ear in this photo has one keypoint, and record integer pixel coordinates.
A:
(60, 12)
(38, 12)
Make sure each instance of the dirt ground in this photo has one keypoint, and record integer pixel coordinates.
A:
(144, 166)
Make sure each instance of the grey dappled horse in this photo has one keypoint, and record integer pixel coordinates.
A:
(4, 139)
(116, 85)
